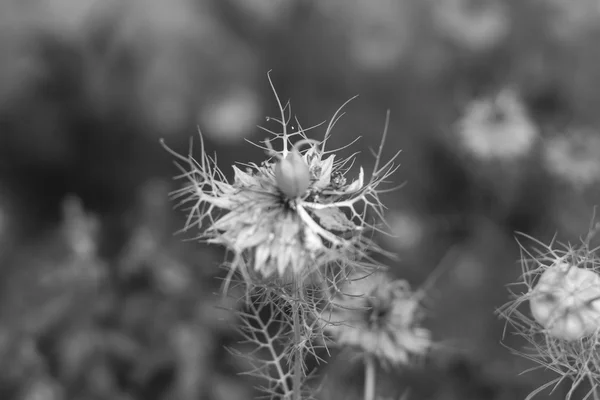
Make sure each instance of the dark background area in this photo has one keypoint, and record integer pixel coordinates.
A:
(100, 300)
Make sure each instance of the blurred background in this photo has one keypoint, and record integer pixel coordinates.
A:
(494, 104)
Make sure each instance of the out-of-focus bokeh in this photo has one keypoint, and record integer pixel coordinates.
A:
(494, 104)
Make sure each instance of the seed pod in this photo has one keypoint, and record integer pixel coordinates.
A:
(292, 175)
(566, 301)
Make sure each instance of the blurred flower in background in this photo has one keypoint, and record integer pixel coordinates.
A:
(378, 32)
(376, 316)
(495, 141)
(497, 127)
(476, 25)
(570, 20)
(574, 157)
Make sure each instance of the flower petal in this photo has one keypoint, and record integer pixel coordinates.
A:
(325, 174)
(244, 179)
(333, 218)
(357, 184)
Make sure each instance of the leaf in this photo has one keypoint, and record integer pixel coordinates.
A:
(357, 184)
(334, 219)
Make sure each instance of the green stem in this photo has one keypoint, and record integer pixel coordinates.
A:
(297, 377)
(369, 378)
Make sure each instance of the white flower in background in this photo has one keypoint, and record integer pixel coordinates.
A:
(574, 157)
(475, 24)
(497, 128)
(379, 32)
(379, 317)
(571, 19)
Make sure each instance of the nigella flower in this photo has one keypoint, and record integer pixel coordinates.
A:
(573, 20)
(497, 127)
(379, 317)
(378, 33)
(475, 25)
(555, 307)
(575, 157)
(290, 214)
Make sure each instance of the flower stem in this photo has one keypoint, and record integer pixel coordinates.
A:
(297, 377)
(369, 378)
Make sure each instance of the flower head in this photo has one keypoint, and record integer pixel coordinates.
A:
(558, 312)
(380, 317)
(497, 128)
(476, 26)
(290, 214)
(565, 301)
(574, 158)
(377, 34)
(572, 21)
(292, 175)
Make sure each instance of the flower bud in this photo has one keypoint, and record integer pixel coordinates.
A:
(565, 301)
(292, 175)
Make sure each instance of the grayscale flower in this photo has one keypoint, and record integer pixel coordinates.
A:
(554, 307)
(497, 128)
(380, 317)
(290, 214)
(574, 158)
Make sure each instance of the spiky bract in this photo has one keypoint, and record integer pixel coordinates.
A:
(577, 360)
